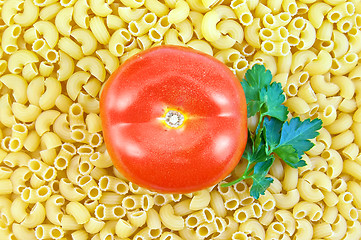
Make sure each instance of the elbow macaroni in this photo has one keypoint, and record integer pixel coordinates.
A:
(57, 179)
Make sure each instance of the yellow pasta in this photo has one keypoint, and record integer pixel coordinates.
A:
(57, 179)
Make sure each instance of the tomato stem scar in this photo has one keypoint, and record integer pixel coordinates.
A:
(174, 119)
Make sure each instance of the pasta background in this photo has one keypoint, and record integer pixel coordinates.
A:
(56, 178)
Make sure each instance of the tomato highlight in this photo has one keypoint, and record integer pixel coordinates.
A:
(174, 119)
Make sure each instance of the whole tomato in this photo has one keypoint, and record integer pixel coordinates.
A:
(174, 119)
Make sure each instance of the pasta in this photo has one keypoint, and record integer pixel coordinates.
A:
(57, 179)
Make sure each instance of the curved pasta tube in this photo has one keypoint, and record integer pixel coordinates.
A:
(41, 47)
(285, 217)
(339, 228)
(5, 208)
(185, 30)
(211, 19)
(346, 208)
(317, 12)
(308, 37)
(53, 90)
(28, 16)
(311, 210)
(94, 66)
(200, 45)
(21, 174)
(100, 8)
(319, 179)
(45, 120)
(49, 12)
(353, 230)
(63, 19)
(19, 59)
(49, 32)
(253, 228)
(171, 38)
(170, 220)
(142, 26)
(110, 61)
(300, 59)
(9, 10)
(70, 47)
(275, 230)
(242, 11)
(157, 32)
(347, 87)
(354, 40)
(341, 44)
(200, 200)
(62, 129)
(35, 90)
(288, 200)
(75, 83)
(137, 218)
(87, 40)
(118, 40)
(319, 85)
(124, 229)
(249, 33)
(94, 225)
(128, 14)
(228, 55)
(66, 66)
(18, 209)
(144, 41)
(25, 113)
(18, 85)
(6, 116)
(99, 30)
(334, 161)
(179, 13)
(35, 217)
(70, 192)
(46, 68)
(343, 65)
(304, 230)
(156, 7)
(341, 10)
(78, 211)
(268, 60)
(80, 14)
(319, 65)
(30, 71)
(90, 104)
(232, 29)
(52, 207)
(9, 38)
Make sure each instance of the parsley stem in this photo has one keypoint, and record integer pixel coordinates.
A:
(233, 182)
(245, 175)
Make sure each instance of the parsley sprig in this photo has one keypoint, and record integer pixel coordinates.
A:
(274, 135)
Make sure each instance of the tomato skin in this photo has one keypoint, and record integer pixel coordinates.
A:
(197, 155)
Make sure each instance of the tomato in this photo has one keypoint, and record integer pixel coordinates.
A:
(174, 119)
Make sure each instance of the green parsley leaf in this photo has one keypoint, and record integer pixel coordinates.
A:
(253, 107)
(272, 128)
(260, 182)
(256, 79)
(288, 154)
(273, 98)
(296, 133)
(273, 135)
(254, 155)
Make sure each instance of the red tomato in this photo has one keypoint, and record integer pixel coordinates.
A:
(174, 119)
